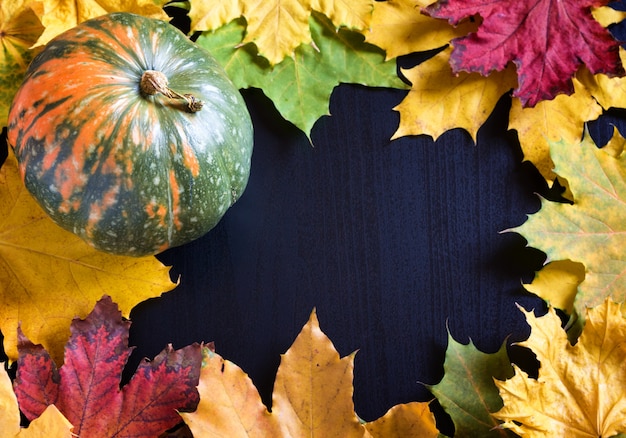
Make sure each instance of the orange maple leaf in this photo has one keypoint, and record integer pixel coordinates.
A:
(312, 396)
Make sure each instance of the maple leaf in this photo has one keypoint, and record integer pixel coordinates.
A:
(606, 15)
(408, 420)
(278, 27)
(557, 283)
(581, 389)
(19, 29)
(591, 231)
(312, 396)
(608, 92)
(560, 119)
(300, 87)
(400, 28)
(86, 388)
(547, 40)
(9, 411)
(564, 117)
(467, 391)
(58, 16)
(48, 275)
(439, 101)
(51, 423)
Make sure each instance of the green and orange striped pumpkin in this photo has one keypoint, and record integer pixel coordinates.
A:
(130, 136)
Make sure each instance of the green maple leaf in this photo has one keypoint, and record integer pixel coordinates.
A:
(300, 87)
(467, 391)
(592, 230)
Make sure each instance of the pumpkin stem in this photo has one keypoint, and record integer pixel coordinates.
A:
(153, 82)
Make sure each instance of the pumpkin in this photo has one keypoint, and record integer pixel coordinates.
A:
(130, 135)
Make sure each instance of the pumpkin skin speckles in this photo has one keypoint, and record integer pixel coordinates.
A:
(130, 173)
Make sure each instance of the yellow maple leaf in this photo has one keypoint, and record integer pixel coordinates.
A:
(439, 101)
(560, 119)
(581, 389)
(9, 411)
(400, 28)
(19, 29)
(48, 276)
(616, 144)
(606, 15)
(211, 15)
(609, 92)
(278, 27)
(557, 283)
(51, 423)
(312, 397)
(58, 16)
(404, 421)
(564, 117)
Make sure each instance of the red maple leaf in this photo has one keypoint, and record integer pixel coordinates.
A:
(547, 40)
(86, 388)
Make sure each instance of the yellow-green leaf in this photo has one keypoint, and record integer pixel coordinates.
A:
(592, 231)
(19, 29)
(581, 389)
(467, 391)
(49, 276)
(300, 87)
(440, 101)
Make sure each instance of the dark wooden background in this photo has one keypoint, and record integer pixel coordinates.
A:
(392, 242)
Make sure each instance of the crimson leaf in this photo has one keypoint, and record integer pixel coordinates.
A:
(547, 40)
(86, 388)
